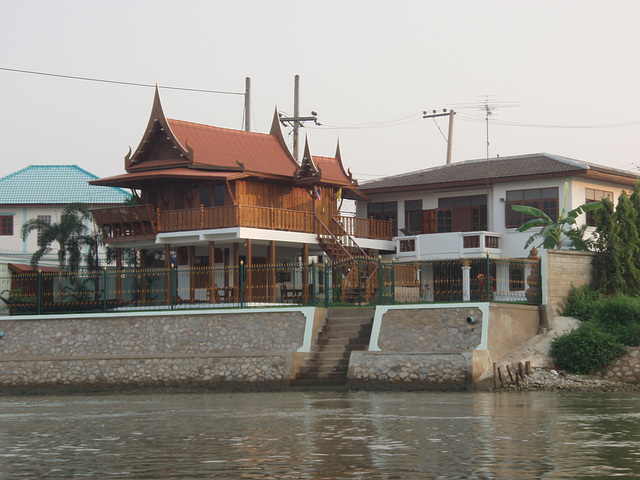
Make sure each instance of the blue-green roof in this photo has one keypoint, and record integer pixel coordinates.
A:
(56, 184)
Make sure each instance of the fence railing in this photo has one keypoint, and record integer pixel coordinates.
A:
(359, 281)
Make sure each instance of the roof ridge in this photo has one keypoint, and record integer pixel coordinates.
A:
(218, 128)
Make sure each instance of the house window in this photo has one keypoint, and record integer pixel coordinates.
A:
(593, 195)
(462, 214)
(545, 199)
(384, 211)
(6, 225)
(46, 219)
(413, 216)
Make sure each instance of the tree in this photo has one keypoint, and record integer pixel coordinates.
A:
(616, 266)
(555, 234)
(70, 233)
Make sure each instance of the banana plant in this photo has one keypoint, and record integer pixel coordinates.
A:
(555, 234)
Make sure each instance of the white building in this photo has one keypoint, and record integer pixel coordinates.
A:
(464, 209)
(42, 191)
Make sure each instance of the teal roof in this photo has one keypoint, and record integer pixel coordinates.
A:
(56, 184)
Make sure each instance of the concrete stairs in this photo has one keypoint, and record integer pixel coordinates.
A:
(346, 330)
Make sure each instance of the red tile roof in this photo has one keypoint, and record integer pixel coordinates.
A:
(225, 148)
(332, 170)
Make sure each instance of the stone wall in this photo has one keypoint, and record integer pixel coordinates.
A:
(563, 269)
(419, 348)
(172, 349)
(626, 368)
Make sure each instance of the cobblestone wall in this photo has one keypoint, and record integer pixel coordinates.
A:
(626, 368)
(421, 348)
(208, 350)
(413, 371)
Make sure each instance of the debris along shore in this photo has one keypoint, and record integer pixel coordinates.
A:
(551, 380)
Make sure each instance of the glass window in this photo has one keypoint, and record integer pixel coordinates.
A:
(545, 199)
(593, 195)
(384, 211)
(6, 225)
(413, 216)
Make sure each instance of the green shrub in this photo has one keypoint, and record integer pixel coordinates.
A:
(581, 302)
(585, 350)
(619, 316)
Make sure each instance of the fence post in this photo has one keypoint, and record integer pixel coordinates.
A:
(104, 290)
(380, 280)
(359, 271)
(393, 281)
(241, 283)
(171, 278)
(487, 278)
(313, 283)
(327, 290)
(39, 301)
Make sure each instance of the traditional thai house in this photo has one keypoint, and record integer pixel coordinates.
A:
(209, 196)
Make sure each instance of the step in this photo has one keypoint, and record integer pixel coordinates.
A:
(322, 371)
(316, 383)
(351, 312)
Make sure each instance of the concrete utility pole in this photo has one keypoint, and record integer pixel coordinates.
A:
(297, 121)
(247, 105)
(450, 113)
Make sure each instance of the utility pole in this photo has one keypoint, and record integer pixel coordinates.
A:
(450, 113)
(247, 105)
(297, 121)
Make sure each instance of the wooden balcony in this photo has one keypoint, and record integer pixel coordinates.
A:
(139, 222)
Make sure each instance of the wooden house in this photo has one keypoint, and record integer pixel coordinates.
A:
(212, 196)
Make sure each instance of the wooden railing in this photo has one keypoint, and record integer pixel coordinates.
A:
(366, 228)
(133, 221)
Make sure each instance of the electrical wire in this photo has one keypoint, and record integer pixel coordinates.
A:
(470, 118)
(116, 82)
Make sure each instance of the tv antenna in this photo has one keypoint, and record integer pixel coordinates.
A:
(488, 107)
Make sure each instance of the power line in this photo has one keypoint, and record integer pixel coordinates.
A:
(116, 82)
(506, 123)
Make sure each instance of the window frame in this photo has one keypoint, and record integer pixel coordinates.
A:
(6, 228)
(532, 197)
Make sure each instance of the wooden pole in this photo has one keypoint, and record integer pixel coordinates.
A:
(247, 264)
(305, 273)
(167, 277)
(143, 280)
(192, 273)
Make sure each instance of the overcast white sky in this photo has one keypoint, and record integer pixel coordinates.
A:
(369, 68)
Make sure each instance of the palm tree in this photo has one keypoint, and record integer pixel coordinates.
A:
(69, 232)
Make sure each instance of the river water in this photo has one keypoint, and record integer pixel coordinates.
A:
(321, 435)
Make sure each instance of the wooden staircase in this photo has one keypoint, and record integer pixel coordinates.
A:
(346, 330)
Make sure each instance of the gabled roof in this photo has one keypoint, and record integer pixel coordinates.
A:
(475, 172)
(56, 184)
(169, 143)
(324, 169)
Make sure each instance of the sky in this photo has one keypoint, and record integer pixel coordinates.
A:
(560, 77)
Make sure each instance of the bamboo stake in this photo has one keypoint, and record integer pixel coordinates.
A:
(509, 372)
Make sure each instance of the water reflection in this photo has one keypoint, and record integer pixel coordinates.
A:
(321, 436)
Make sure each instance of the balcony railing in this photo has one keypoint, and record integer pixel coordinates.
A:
(135, 222)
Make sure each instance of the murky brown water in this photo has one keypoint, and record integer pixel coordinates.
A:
(321, 436)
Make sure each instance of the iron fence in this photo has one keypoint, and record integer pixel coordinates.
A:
(359, 281)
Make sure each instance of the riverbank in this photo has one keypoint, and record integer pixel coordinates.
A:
(551, 380)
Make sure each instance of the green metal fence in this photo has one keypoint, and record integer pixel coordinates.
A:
(360, 281)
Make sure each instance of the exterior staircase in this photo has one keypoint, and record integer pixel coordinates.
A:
(345, 330)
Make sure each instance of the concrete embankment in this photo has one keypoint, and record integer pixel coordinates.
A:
(426, 347)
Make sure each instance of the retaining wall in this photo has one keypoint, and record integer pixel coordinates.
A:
(239, 349)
